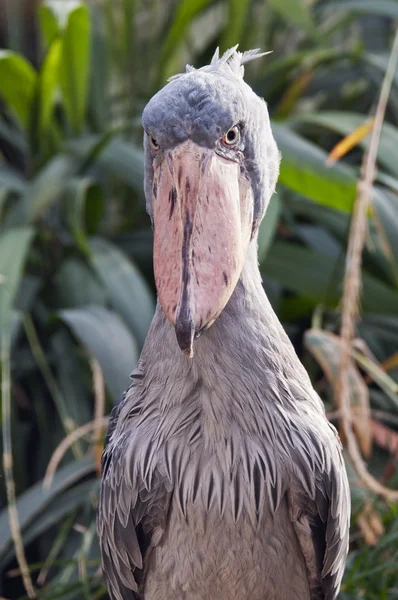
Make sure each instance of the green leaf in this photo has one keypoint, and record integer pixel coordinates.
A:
(61, 11)
(380, 61)
(84, 206)
(13, 135)
(125, 161)
(48, 84)
(387, 180)
(303, 170)
(384, 8)
(11, 180)
(77, 285)
(14, 246)
(335, 221)
(48, 186)
(186, 11)
(295, 12)
(319, 278)
(345, 122)
(386, 205)
(107, 338)
(237, 15)
(57, 510)
(127, 289)
(72, 377)
(268, 226)
(33, 502)
(43, 191)
(48, 23)
(75, 66)
(114, 155)
(17, 85)
(99, 73)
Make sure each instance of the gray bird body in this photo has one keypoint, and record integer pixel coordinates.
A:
(222, 478)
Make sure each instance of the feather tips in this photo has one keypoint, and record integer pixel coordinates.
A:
(232, 60)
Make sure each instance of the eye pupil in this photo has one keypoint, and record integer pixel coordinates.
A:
(232, 137)
(154, 143)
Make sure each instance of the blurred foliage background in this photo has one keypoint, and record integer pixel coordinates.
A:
(76, 286)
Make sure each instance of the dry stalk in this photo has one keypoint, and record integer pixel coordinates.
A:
(352, 282)
(8, 467)
(99, 408)
(66, 443)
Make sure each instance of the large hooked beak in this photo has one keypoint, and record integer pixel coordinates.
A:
(202, 213)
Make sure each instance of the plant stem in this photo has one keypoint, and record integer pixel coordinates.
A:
(8, 465)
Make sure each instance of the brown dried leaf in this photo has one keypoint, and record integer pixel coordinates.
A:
(385, 437)
(370, 524)
(350, 141)
(326, 349)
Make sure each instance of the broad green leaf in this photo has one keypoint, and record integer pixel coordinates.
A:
(48, 84)
(17, 85)
(124, 160)
(11, 180)
(335, 221)
(75, 284)
(13, 135)
(386, 205)
(14, 246)
(380, 326)
(380, 61)
(303, 170)
(28, 290)
(127, 289)
(113, 155)
(75, 66)
(60, 11)
(237, 15)
(319, 278)
(268, 226)
(384, 8)
(84, 205)
(71, 377)
(48, 186)
(43, 191)
(345, 122)
(387, 180)
(53, 514)
(99, 73)
(34, 501)
(107, 338)
(295, 12)
(48, 22)
(318, 238)
(185, 12)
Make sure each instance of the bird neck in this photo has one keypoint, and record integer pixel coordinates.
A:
(246, 341)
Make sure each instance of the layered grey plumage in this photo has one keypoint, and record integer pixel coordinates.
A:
(221, 477)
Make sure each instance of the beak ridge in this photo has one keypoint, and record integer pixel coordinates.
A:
(203, 218)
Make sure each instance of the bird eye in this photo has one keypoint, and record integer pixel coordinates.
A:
(232, 137)
(154, 143)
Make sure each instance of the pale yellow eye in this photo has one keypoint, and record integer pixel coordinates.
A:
(232, 137)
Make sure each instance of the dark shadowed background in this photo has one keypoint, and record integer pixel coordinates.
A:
(76, 284)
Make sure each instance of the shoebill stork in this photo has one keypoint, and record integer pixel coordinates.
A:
(221, 477)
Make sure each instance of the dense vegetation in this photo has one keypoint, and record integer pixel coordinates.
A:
(76, 288)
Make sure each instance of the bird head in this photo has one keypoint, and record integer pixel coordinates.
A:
(211, 165)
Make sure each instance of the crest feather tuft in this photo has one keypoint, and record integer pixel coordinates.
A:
(232, 60)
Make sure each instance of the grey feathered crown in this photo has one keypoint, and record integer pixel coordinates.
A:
(232, 60)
